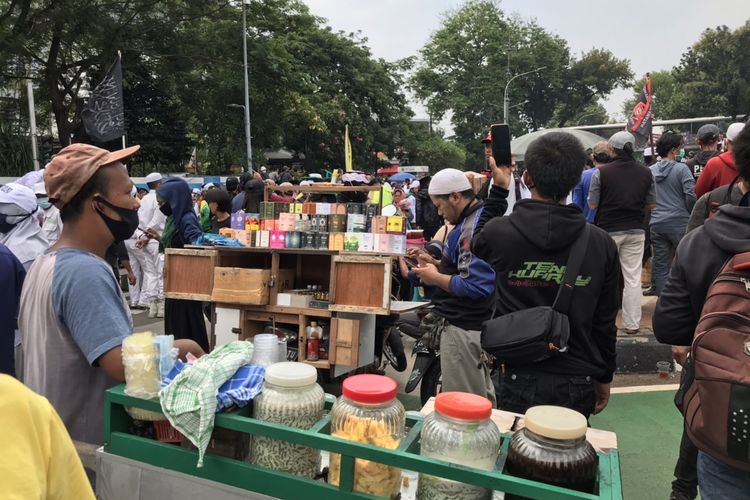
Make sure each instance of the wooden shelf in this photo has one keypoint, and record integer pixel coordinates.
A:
(306, 311)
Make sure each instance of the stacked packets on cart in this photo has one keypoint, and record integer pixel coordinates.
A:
(353, 227)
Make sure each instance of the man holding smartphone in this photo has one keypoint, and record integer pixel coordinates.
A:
(529, 251)
(464, 287)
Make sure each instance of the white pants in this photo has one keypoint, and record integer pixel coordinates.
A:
(630, 250)
(147, 260)
(134, 255)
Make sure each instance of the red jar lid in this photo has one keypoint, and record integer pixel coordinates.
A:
(369, 388)
(463, 406)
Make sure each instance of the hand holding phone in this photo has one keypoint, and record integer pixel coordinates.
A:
(500, 134)
(411, 262)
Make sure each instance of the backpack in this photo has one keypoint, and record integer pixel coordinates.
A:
(715, 397)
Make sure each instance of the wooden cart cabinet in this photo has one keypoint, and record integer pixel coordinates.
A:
(250, 279)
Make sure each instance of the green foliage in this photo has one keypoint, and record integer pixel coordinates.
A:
(711, 79)
(438, 154)
(467, 63)
(15, 153)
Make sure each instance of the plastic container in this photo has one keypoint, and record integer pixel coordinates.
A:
(265, 349)
(140, 360)
(552, 449)
(368, 412)
(458, 431)
(292, 397)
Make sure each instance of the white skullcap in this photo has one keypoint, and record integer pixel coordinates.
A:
(447, 181)
(18, 195)
(734, 130)
(153, 177)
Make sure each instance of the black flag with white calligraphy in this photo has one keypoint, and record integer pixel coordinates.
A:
(103, 115)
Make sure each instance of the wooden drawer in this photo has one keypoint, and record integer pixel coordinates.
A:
(189, 273)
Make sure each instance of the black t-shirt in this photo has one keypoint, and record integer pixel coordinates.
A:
(216, 224)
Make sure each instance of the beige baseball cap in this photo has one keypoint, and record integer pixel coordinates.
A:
(74, 165)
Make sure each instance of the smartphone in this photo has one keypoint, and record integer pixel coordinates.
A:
(501, 144)
(411, 262)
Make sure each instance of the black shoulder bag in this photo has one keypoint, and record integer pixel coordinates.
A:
(538, 333)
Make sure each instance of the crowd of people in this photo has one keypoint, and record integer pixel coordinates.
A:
(503, 248)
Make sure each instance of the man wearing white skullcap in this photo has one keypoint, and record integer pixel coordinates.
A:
(144, 253)
(464, 287)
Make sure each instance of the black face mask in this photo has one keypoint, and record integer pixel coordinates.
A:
(166, 209)
(5, 226)
(121, 229)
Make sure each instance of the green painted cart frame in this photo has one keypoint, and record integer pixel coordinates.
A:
(281, 485)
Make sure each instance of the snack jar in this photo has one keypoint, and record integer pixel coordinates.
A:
(292, 397)
(368, 412)
(552, 448)
(458, 431)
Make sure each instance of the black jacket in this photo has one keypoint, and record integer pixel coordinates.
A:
(700, 256)
(529, 250)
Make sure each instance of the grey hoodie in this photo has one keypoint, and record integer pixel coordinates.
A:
(675, 196)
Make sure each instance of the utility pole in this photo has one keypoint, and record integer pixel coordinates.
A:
(248, 138)
(32, 122)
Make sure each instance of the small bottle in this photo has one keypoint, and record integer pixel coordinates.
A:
(313, 342)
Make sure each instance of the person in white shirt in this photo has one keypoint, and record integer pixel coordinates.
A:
(145, 252)
(49, 215)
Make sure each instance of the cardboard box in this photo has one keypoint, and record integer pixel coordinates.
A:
(336, 223)
(352, 242)
(238, 220)
(397, 244)
(264, 239)
(367, 242)
(278, 239)
(266, 210)
(355, 223)
(244, 237)
(293, 239)
(308, 208)
(287, 222)
(339, 209)
(382, 243)
(323, 208)
(252, 222)
(227, 232)
(296, 208)
(303, 224)
(299, 300)
(236, 285)
(336, 241)
(396, 224)
(284, 299)
(379, 224)
(319, 223)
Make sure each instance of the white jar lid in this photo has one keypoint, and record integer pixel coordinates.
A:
(291, 374)
(555, 422)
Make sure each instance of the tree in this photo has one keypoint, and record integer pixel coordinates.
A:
(467, 63)
(592, 77)
(438, 153)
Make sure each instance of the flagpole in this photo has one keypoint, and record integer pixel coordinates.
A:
(651, 125)
(119, 56)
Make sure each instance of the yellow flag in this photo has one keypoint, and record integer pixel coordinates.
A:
(347, 150)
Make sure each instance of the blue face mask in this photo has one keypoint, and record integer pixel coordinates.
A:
(43, 203)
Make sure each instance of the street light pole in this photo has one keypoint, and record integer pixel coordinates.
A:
(248, 139)
(506, 108)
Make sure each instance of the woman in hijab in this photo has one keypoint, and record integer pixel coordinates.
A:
(19, 227)
(253, 196)
(182, 318)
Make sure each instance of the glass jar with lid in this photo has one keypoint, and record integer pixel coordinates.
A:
(552, 448)
(458, 431)
(292, 397)
(368, 412)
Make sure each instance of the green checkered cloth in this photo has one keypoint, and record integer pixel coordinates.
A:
(189, 402)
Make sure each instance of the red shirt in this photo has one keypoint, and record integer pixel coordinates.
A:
(719, 171)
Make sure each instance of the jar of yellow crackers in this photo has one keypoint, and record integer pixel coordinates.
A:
(368, 412)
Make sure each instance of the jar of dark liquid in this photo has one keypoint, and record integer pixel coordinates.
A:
(552, 449)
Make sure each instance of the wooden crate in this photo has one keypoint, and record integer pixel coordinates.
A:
(361, 283)
(189, 273)
(237, 285)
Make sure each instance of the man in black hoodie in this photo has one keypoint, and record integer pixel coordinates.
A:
(699, 258)
(529, 250)
(707, 139)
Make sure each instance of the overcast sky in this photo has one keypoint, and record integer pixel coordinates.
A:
(652, 34)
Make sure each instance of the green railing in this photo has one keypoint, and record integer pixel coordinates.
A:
(278, 484)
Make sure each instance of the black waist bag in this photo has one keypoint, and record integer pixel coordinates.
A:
(538, 333)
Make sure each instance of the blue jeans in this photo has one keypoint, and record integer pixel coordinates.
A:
(664, 245)
(719, 481)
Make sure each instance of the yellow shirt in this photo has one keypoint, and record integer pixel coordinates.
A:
(37, 457)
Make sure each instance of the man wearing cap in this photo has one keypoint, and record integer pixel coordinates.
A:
(148, 293)
(720, 170)
(464, 287)
(707, 139)
(599, 156)
(622, 192)
(51, 223)
(73, 316)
